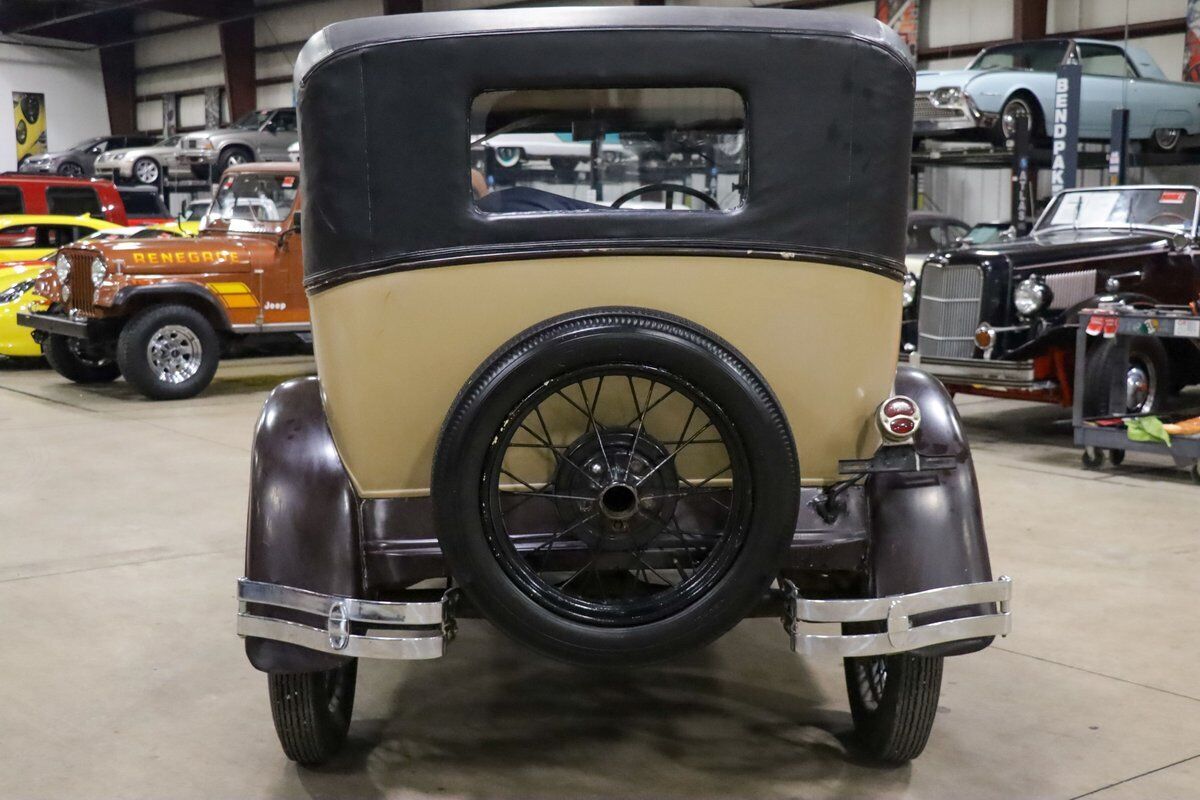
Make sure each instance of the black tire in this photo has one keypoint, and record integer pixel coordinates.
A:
(1116, 457)
(1025, 104)
(1145, 353)
(594, 340)
(564, 169)
(146, 171)
(231, 155)
(76, 361)
(1092, 458)
(893, 700)
(186, 367)
(1165, 140)
(70, 169)
(312, 711)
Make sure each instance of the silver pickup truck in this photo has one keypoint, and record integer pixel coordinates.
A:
(261, 135)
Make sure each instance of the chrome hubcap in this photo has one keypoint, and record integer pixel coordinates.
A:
(1012, 112)
(1139, 396)
(174, 353)
(147, 171)
(1166, 138)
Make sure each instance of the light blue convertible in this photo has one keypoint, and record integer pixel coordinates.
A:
(1010, 81)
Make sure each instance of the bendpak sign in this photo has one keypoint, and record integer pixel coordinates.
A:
(1064, 153)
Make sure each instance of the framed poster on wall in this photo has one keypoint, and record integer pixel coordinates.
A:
(29, 124)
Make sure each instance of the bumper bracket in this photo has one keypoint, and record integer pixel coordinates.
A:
(353, 627)
(896, 612)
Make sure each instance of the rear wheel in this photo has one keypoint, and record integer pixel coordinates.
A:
(312, 711)
(78, 361)
(169, 352)
(893, 700)
(1145, 375)
(615, 487)
(1166, 140)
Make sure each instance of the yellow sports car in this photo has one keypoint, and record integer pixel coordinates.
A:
(17, 293)
(25, 237)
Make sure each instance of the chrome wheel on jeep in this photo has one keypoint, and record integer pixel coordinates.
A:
(168, 352)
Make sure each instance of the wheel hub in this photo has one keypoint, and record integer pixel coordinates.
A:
(174, 353)
(618, 469)
(1137, 388)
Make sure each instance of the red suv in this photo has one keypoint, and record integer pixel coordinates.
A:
(52, 194)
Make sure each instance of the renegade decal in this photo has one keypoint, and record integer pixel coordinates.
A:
(188, 257)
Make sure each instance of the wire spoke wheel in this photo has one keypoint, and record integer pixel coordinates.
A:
(616, 495)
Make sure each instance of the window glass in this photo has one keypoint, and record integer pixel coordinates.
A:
(144, 204)
(557, 150)
(285, 120)
(11, 200)
(1037, 56)
(1110, 208)
(1096, 59)
(250, 199)
(252, 120)
(921, 238)
(18, 236)
(72, 200)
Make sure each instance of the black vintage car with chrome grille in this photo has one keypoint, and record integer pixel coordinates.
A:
(999, 319)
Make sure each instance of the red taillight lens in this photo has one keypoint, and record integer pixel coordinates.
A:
(898, 419)
(899, 406)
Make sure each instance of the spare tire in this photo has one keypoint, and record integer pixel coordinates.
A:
(615, 486)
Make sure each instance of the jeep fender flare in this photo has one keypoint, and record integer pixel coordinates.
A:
(302, 529)
(927, 527)
(191, 293)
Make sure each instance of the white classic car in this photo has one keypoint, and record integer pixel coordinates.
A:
(1010, 81)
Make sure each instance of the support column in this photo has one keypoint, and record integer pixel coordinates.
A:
(403, 6)
(237, 56)
(120, 87)
(1029, 19)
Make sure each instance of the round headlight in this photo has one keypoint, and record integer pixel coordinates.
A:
(98, 271)
(946, 95)
(908, 292)
(1031, 296)
(62, 268)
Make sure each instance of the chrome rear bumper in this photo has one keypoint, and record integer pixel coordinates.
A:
(896, 612)
(977, 371)
(355, 628)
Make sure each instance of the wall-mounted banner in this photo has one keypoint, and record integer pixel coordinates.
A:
(212, 107)
(1064, 152)
(29, 119)
(903, 16)
(170, 113)
(1191, 43)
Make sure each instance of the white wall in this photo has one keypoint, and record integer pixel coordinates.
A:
(950, 22)
(973, 195)
(74, 90)
(1074, 15)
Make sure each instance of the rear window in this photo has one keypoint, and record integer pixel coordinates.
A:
(251, 198)
(11, 200)
(144, 204)
(665, 149)
(72, 200)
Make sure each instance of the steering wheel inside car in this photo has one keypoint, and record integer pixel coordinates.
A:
(708, 200)
(1171, 216)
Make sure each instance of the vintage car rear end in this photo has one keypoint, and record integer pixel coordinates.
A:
(617, 409)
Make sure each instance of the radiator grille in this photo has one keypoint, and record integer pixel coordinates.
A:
(1070, 288)
(949, 311)
(925, 111)
(80, 282)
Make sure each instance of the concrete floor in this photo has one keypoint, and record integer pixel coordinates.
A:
(121, 524)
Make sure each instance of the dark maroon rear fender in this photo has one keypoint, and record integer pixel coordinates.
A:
(303, 523)
(927, 527)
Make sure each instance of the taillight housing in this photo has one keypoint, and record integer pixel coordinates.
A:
(898, 419)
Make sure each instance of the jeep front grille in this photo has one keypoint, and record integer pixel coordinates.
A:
(949, 310)
(80, 282)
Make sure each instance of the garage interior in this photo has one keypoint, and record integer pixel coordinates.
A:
(124, 522)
